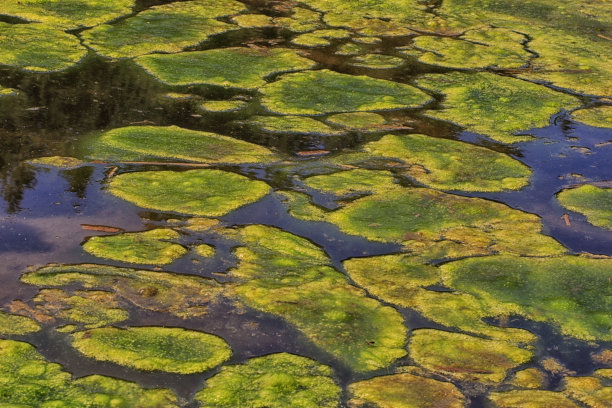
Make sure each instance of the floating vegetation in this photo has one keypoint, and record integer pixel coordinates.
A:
(592, 201)
(530, 399)
(363, 121)
(320, 38)
(319, 92)
(484, 48)
(291, 124)
(451, 165)
(14, 325)
(210, 193)
(181, 295)
(148, 247)
(90, 308)
(598, 117)
(570, 292)
(38, 48)
(66, 163)
(223, 107)
(377, 61)
(253, 20)
(531, 378)
(352, 182)
(166, 28)
(286, 275)
(142, 143)
(465, 358)
(274, 381)
(300, 206)
(27, 380)
(205, 250)
(173, 350)
(496, 106)
(300, 21)
(404, 391)
(67, 15)
(244, 68)
(588, 390)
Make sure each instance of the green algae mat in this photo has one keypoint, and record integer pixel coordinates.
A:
(305, 204)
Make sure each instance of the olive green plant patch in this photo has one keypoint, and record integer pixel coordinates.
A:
(291, 124)
(205, 250)
(166, 28)
(67, 14)
(530, 399)
(14, 325)
(253, 20)
(570, 292)
(319, 92)
(222, 106)
(496, 106)
(452, 165)
(598, 117)
(38, 48)
(210, 193)
(404, 391)
(485, 48)
(173, 350)
(27, 380)
(137, 143)
(272, 381)
(593, 202)
(227, 67)
(530, 378)
(300, 207)
(377, 61)
(286, 275)
(152, 247)
(66, 163)
(588, 390)
(353, 182)
(465, 358)
(301, 20)
(181, 295)
(320, 38)
(363, 121)
(93, 308)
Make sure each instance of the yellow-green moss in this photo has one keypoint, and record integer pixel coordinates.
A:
(57, 161)
(273, 381)
(358, 120)
(11, 325)
(377, 61)
(222, 106)
(300, 206)
(320, 38)
(529, 378)
(253, 20)
(530, 399)
(598, 117)
(173, 350)
(291, 124)
(589, 391)
(594, 202)
(205, 250)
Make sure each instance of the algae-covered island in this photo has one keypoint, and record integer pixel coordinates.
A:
(306, 204)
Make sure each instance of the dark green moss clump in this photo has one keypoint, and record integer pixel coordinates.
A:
(273, 381)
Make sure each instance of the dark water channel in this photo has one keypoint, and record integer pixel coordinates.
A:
(41, 210)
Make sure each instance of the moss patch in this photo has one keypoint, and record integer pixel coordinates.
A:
(27, 380)
(274, 381)
(222, 106)
(148, 247)
(451, 165)
(38, 48)
(588, 390)
(196, 192)
(11, 325)
(495, 106)
(529, 378)
(61, 162)
(166, 28)
(286, 275)
(173, 350)
(291, 124)
(320, 38)
(598, 117)
(67, 14)
(205, 250)
(465, 358)
(135, 143)
(377, 61)
(300, 206)
(358, 120)
(404, 391)
(318, 92)
(530, 399)
(594, 202)
(353, 182)
(181, 295)
(226, 67)
(570, 292)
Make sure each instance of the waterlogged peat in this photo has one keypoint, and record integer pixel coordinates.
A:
(285, 171)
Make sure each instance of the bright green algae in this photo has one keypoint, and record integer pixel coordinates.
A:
(404, 390)
(598, 117)
(196, 192)
(570, 292)
(136, 143)
(594, 202)
(273, 381)
(227, 67)
(166, 28)
(286, 275)
(451, 165)
(67, 14)
(91, 309)
(178, 294)
(495, 106)
(148, 247)
(173, 350)
(28, 381)
(38, 48)
(318, 92)
(11, 325)
(465, 358)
